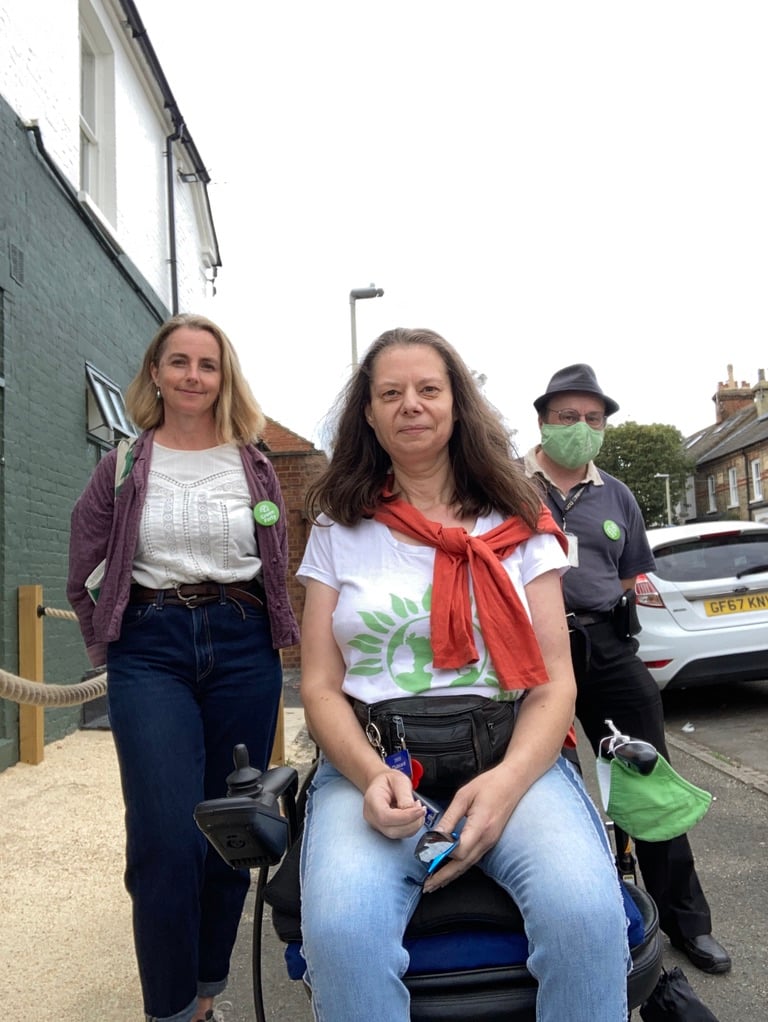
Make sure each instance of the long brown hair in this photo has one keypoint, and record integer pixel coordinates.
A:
(486, 476)
(238, 415)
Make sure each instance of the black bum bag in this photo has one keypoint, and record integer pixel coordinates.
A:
(455, 738)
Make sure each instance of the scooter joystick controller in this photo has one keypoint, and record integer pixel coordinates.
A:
(246, 828)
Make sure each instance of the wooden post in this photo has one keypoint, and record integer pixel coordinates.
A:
(277, 756)
(278, 749)
(31, 718)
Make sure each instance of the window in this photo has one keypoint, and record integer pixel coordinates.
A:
(757, 482)
(689, 505)
(733, 488)
(711, 493)
(107, 418)
(97, 115)
(89, 142)
(722, 555)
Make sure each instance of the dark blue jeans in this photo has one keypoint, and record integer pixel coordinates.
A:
(186, 686)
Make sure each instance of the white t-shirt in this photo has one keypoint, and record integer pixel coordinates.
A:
(381, 620)
(197, 521)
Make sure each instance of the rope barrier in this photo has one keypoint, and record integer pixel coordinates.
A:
(35, 693)
(67, 615)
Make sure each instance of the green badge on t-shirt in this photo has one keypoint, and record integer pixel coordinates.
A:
(266, 512)
(611, 529)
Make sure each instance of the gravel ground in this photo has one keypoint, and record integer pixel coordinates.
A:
(66, 950)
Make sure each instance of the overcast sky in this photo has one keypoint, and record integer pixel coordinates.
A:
(541, 182)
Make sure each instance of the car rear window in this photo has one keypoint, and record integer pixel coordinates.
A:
(719, 556)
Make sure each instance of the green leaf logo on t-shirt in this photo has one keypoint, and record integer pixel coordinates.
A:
(386, 639)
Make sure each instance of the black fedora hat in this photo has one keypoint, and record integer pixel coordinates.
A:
(579, 377)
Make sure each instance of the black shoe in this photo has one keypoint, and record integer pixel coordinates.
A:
(704, 952)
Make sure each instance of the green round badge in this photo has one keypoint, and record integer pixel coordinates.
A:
(266, 512)
(611, 529)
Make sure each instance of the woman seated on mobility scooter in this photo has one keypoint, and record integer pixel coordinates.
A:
(433, 606)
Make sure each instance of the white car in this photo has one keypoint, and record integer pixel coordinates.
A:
(704, 610)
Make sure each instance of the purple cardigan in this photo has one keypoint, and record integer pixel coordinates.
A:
(105, 527)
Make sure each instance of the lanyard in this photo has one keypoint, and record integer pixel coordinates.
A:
(569, 503)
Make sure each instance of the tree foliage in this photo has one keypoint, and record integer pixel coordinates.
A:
(635, 454)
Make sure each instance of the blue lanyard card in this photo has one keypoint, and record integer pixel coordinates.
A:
(401, 760)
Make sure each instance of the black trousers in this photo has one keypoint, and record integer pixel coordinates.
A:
(613, 683)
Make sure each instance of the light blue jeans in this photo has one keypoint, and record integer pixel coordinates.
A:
(553, 858)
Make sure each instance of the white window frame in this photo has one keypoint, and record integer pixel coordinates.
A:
(757, 482)
(689, 507)
(89, 140)
(733, 488)
(97, 115)
(711, 494)
(107, 417)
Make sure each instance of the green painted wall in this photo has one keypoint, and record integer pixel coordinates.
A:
(63, 300)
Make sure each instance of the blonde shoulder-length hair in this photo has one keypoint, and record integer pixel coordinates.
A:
(238, 415)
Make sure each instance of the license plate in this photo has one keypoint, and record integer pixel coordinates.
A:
(742, 604)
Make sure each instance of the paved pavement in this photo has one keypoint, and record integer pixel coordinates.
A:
(65, 939)
(729, 722)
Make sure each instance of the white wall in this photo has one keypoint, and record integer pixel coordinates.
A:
(39, 72)
(40, 79)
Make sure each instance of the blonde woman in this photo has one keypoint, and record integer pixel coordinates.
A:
(192, 612)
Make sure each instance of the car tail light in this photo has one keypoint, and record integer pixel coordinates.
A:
(646, 592)
(656, 665)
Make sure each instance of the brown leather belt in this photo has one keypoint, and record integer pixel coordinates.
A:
(198, 594)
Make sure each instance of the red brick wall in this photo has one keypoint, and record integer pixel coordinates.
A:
(296, 471)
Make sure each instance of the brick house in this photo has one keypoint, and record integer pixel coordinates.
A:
(297, 463)
(105, 229)
(731, 456)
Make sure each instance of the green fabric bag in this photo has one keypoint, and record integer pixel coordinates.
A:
(123, 467)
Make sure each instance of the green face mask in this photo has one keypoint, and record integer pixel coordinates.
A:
(571, 446)
(656, 806)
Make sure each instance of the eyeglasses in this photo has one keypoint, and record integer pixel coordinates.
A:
(569, 417)
(432, 849)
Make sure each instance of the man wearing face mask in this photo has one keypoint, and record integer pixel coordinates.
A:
(607, 549)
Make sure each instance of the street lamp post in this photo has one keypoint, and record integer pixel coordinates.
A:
(665, 477)
(360, 292)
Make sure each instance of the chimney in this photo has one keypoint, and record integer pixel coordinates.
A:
(761, 394)
(731, 398)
